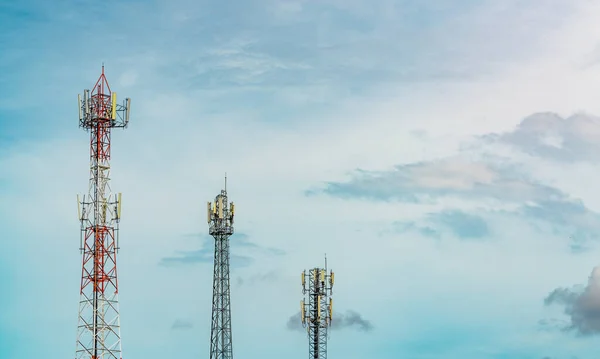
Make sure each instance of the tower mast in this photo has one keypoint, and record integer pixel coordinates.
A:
(220, 221)
(316, 309)
(98, 330)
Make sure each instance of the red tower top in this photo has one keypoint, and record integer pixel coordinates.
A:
(101, 87)
(100, 107)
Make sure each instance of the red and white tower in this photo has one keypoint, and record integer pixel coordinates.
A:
(98, 330)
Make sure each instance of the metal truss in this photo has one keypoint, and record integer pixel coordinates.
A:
(98, 330)
(220, 219)
(316, 309)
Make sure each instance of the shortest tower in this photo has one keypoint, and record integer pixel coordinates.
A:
(316, 309)
(220, 226)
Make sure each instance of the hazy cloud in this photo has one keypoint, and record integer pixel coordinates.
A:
(551, 324)
(453, 176)
(350, 319)
(206, 253)
(269, 276)
(570, 218)
(462, 224)
(424, 230)
(547, 135)
(566, 213)
(295, 322)
(204, 256)
(180, 324)
(582, 305)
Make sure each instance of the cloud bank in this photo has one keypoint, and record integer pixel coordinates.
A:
(581, 305)
(488, 182)
(552, 137)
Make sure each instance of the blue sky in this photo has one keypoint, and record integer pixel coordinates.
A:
(441, 153)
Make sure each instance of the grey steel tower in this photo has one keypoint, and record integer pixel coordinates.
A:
(316, 314)
(220, 222)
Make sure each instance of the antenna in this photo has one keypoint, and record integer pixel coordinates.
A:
(225, 181)
(100, 108)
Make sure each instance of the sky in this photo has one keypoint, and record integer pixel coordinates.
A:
(441, 153)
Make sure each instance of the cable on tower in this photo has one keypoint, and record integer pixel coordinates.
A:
(316, 309)
(220, 221)
(99, 329)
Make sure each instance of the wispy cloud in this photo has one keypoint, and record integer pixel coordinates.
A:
(349, 319)
(269, 277)
(237, 242)
(180, 324)
(204, 256)
(427, 181)
(461, 224)
(550, 136)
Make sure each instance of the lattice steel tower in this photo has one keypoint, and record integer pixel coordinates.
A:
(98, 330)
(316, 314)
(220, 222)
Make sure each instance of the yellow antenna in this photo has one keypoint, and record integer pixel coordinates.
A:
(114, 106)
(319, 308)
(119, 207)
(220, 205)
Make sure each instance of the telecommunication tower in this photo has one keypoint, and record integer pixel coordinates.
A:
(98, 330)
(220, 222)
(316, 309)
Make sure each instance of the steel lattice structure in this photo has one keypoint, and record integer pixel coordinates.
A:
(98, 330)
(316, 313)
(220, 220)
